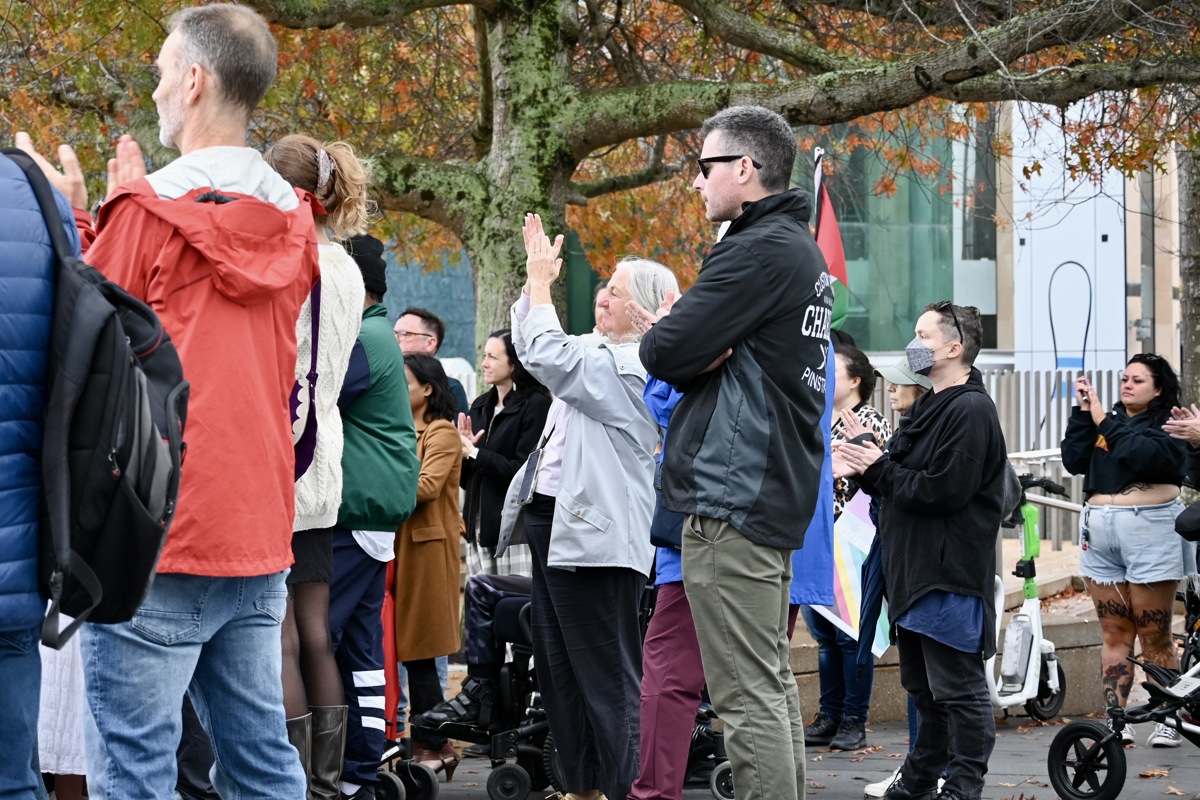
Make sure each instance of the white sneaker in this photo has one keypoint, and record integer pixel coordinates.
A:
(879, 788)
(1126, 733)
(1164, 736)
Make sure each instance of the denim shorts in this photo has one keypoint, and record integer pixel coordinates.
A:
(1131, 544)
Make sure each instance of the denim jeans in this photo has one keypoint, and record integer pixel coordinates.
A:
(20, 687)
(844, 692)
(218, 639)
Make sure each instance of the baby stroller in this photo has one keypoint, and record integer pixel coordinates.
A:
(1087, 759)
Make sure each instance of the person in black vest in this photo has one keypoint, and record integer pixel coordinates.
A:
(942, 486)
(497, 436)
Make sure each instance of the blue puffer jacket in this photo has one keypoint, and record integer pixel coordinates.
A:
(26, 306)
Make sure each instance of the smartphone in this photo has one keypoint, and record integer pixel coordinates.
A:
(529, 481)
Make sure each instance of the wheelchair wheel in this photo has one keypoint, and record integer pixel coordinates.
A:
(1047, 705)
(420, 782)
(721, 782)
(1083, 765)
(388, 786)
(509, 782)
(552, 764)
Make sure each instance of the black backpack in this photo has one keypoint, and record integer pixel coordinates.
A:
(113, 442)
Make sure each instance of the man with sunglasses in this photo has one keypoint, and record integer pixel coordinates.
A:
(941, 483)
(747, 345)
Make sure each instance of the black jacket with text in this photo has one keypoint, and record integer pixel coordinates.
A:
(746, 444)
(942, 487)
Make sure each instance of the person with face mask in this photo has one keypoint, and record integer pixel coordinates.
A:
(942, 486)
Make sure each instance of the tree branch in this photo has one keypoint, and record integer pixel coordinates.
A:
(741, 30)
(611, 116)
(442, 192)
(1065, 85)
(931, 13)
(351, 13)
(654, 171)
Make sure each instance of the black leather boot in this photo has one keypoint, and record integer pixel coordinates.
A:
(328, 749)
(822, 730)
(299, 731)
(851, 735)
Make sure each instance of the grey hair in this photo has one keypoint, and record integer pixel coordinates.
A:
(649, 282)
(232, 43)
(761, 134)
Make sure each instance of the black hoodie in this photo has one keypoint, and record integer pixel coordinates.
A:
(942, 485)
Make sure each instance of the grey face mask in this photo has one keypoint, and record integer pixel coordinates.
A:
(920, 357)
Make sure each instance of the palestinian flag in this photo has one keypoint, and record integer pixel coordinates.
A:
(829, 239)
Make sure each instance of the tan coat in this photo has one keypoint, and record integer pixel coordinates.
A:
(427, 550)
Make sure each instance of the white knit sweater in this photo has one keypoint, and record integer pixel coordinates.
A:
(319, 490)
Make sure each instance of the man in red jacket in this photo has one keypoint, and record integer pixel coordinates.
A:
(224, 250)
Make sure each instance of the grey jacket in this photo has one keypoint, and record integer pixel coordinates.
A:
(606, 495)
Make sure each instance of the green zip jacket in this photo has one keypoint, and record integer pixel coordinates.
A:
(379, 458)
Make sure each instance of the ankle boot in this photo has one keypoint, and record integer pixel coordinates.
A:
(299, 732)
(473, 706)
(328, 749)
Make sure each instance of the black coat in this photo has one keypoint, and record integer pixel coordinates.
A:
(509, 438)
(942, 488)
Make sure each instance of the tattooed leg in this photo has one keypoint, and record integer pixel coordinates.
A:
(1153, 610)
(1118, 631)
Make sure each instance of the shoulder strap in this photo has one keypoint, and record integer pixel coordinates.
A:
(45, 198)
(316, 329)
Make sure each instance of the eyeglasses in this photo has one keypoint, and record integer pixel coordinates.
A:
(706, 163)
(945, 306)
(410, 334)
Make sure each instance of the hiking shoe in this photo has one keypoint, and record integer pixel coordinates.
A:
(1164, 736)
(851, 735)
(1126, 732)
(822, 730)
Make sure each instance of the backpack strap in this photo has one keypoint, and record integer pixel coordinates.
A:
(59, 408)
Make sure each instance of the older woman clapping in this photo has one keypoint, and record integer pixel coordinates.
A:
(586, 495)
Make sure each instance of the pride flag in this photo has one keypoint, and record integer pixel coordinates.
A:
(852, 537)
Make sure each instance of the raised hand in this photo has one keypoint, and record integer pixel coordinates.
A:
(470, 439)
(70, 181)
(128, 165)
(542, 263)
(851, 425)
(1184, 424)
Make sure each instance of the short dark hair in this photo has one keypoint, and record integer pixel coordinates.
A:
(1165, 381)
(960, 324)
(432, 322)
(428, 370)
(761, 134)
(522, 379)
(858, 366)
(373, 298)
(234, 44)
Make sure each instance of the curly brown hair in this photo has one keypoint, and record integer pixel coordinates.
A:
(296, 156)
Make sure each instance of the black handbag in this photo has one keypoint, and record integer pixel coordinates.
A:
(666, 526)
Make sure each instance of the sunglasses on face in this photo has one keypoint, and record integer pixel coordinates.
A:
(706, 163)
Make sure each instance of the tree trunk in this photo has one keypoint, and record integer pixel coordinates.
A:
(1189, 267)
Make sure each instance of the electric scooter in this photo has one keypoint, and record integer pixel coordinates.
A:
(1030, 674)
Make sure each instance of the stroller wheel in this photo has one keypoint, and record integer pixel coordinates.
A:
(721, 782)
(1086, 762)
(388, 786)
(509, 782)
(420, 782)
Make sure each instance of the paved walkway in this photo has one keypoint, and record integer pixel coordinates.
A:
(1017, 771)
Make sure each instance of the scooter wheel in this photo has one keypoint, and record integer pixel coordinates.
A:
(420, 782)
(1047, 704)
(721, 782)
(1086, 762)
(388, 786)
(509, 782)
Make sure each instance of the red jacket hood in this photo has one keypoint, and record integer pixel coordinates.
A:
(255, 248)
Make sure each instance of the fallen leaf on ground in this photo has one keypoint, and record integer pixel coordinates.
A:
(875, 748)
(816, 758)
(1154, 773)
(895, 755)
(815, 785)
(856, 760)
(1174, 791)
(1009, 785)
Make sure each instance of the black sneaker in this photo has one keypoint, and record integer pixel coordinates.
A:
(851, 735)
(898, 791)
(473, 704)
(822, 730)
